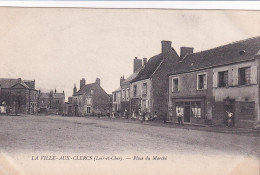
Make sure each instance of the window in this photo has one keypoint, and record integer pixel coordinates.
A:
(244, 76)
(123, 94)
(88, 109)
(143, 104)
(223, 79)
(175, 84)
(202, 81)
(144, 89)
(127, 94)
(135, 90)
(196, 109)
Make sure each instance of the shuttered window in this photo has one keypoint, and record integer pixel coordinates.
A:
(244, 76)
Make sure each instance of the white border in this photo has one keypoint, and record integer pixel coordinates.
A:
(236, 5)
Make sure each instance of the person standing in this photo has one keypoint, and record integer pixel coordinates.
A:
(144, 114)
(126, 113)
(180, 116)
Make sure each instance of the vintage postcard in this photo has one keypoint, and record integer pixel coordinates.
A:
(129, 91)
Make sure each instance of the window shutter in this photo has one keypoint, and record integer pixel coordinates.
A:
(230, 77)
(215, 79)
(179, 84)
(235, 77)
(205, 81)
(253, 76)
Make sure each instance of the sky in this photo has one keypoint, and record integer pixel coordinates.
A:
(57, 47)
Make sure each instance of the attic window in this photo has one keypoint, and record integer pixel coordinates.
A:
(242, 52)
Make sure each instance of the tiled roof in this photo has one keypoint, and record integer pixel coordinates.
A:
(149, 68)
(55, 95)
(44, 95)
(239, 51)
(30, 83)
(58, 95)
(132, 76)
(8, 83)
(86, 89)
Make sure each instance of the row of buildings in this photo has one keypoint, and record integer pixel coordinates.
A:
(21, 96)
(203, 86)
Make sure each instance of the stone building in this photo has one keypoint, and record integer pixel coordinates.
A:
(116, 101)
(52, 102)
(125, 85)
(121, 96)
(19, 95)
(90, 99)
(68, 107)
(149, 89)
(204, 86)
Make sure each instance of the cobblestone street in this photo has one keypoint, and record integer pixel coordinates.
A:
(38, 135)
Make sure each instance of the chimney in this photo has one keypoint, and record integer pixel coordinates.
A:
(55, 91)
(122, 79)
(33, 84)
(144, 61)
(185, 51)
(74, 89)
(166, 47)
(63, 92)
(82, 82)
(137, 64)
(98, 81)
(19, 80)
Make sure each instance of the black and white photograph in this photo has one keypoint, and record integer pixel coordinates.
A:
(129, 91)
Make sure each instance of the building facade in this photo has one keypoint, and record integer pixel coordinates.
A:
(90, 99)
(116, 101)
(207, 85)
(52, 102)
(149, 89)
(20, 96)
(125, 86)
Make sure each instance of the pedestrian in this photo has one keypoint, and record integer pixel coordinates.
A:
(144, 114)
(230, 119)
(179, 115)
(7, 110)
(126, 113)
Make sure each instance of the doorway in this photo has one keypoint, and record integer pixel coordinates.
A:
(187, 112)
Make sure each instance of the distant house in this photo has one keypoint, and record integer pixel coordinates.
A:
(68, 107)
(52, 102)
(149, 89)
(90, 99)
(19, 95)
(116, 101)
(204, 86)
